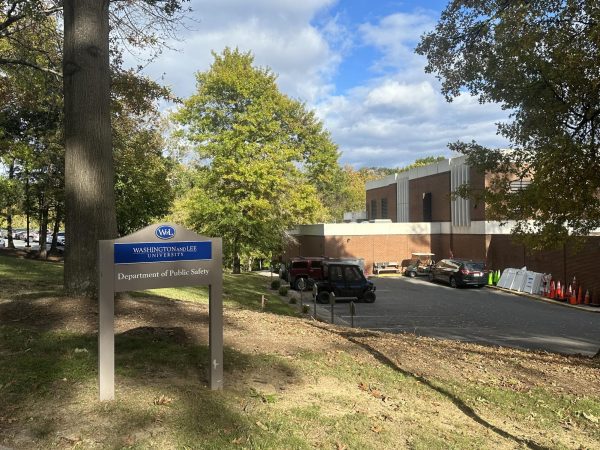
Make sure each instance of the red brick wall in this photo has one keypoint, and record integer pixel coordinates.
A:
(499, 252)
(306, 246)
(439, 186)
(581, 262)
(389, 192)
(372, 249)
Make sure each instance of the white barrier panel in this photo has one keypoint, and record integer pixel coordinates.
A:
(533, 283)
(508, 275)
(518, 281)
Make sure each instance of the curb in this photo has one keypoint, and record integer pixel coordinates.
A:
(590, 309)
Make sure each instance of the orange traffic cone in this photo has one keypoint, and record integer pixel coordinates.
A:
(558, 289)
(579, 295)
(561, 293)
(572, 297)
(552, 292)
(586, 299)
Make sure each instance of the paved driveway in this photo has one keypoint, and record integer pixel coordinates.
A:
(473, 315)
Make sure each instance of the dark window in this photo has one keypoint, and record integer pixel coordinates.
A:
(373, 209)
(351, 273)
(316, 264)
(473, 266)
(300, 265)
(427, 213)
(335, 273)
(384, 208)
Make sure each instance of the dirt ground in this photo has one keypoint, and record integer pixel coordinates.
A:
(431, 364)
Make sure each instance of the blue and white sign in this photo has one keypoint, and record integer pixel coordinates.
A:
(162, 255)
(154, 252)
(165, 232)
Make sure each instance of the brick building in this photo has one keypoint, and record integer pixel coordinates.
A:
(414, 211)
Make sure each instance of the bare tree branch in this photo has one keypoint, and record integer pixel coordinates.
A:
(17, 62)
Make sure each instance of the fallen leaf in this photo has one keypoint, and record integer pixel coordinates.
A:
(363, 386)
(377, 394)
(163, 400)
(376, 428)
(340, 446)
(238, 441)
(262, 426)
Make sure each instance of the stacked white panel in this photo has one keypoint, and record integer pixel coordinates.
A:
(402, 200)
(461, 207)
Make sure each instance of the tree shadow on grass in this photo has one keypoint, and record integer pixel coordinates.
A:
(50, 371)
(355, 336)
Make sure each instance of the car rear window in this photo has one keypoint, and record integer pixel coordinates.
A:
(300, 265)
(474, 266)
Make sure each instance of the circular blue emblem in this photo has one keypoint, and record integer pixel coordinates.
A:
(165, 232)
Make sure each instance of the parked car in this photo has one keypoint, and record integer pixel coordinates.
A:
(457, 272)
(307, 268)
(344, 279)
(60, 238)
(22, 235)
(419, 265)
(17, 231)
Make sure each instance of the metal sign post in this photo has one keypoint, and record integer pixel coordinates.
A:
(301, 285)
(163, 255)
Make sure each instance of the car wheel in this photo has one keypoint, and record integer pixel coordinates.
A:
(412, 274)
(369, 297)
(453, 283)
(297, 283)
(323, 297)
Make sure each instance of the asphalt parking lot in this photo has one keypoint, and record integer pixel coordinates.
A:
(474, 315)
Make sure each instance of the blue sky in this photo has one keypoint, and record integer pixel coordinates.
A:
(351, 61)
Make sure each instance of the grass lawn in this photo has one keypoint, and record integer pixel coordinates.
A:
(290, 382)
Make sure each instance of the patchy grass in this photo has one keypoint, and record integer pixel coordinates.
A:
(242, 291)
(289, 383)
(27, 278)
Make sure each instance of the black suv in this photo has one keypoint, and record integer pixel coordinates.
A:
(346, 280)
(458, 272)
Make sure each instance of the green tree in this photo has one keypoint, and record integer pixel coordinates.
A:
(143, 189)
(89, 170)
(539, 60)
(260, 154)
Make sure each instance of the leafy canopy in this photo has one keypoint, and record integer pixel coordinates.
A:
(538, 59)
(263, 157)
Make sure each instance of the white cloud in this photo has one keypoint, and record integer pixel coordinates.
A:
(278, 32)
(390, 119)
(399, 115)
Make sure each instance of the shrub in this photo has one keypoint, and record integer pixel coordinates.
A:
(283, 290)
(275, 284)
(305, 309)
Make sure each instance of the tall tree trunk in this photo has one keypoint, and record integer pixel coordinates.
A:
(56, 228)
(9, 227)
(9, 230)
(89, 172)
(43, 251)
(237, 265)
(27, 209)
